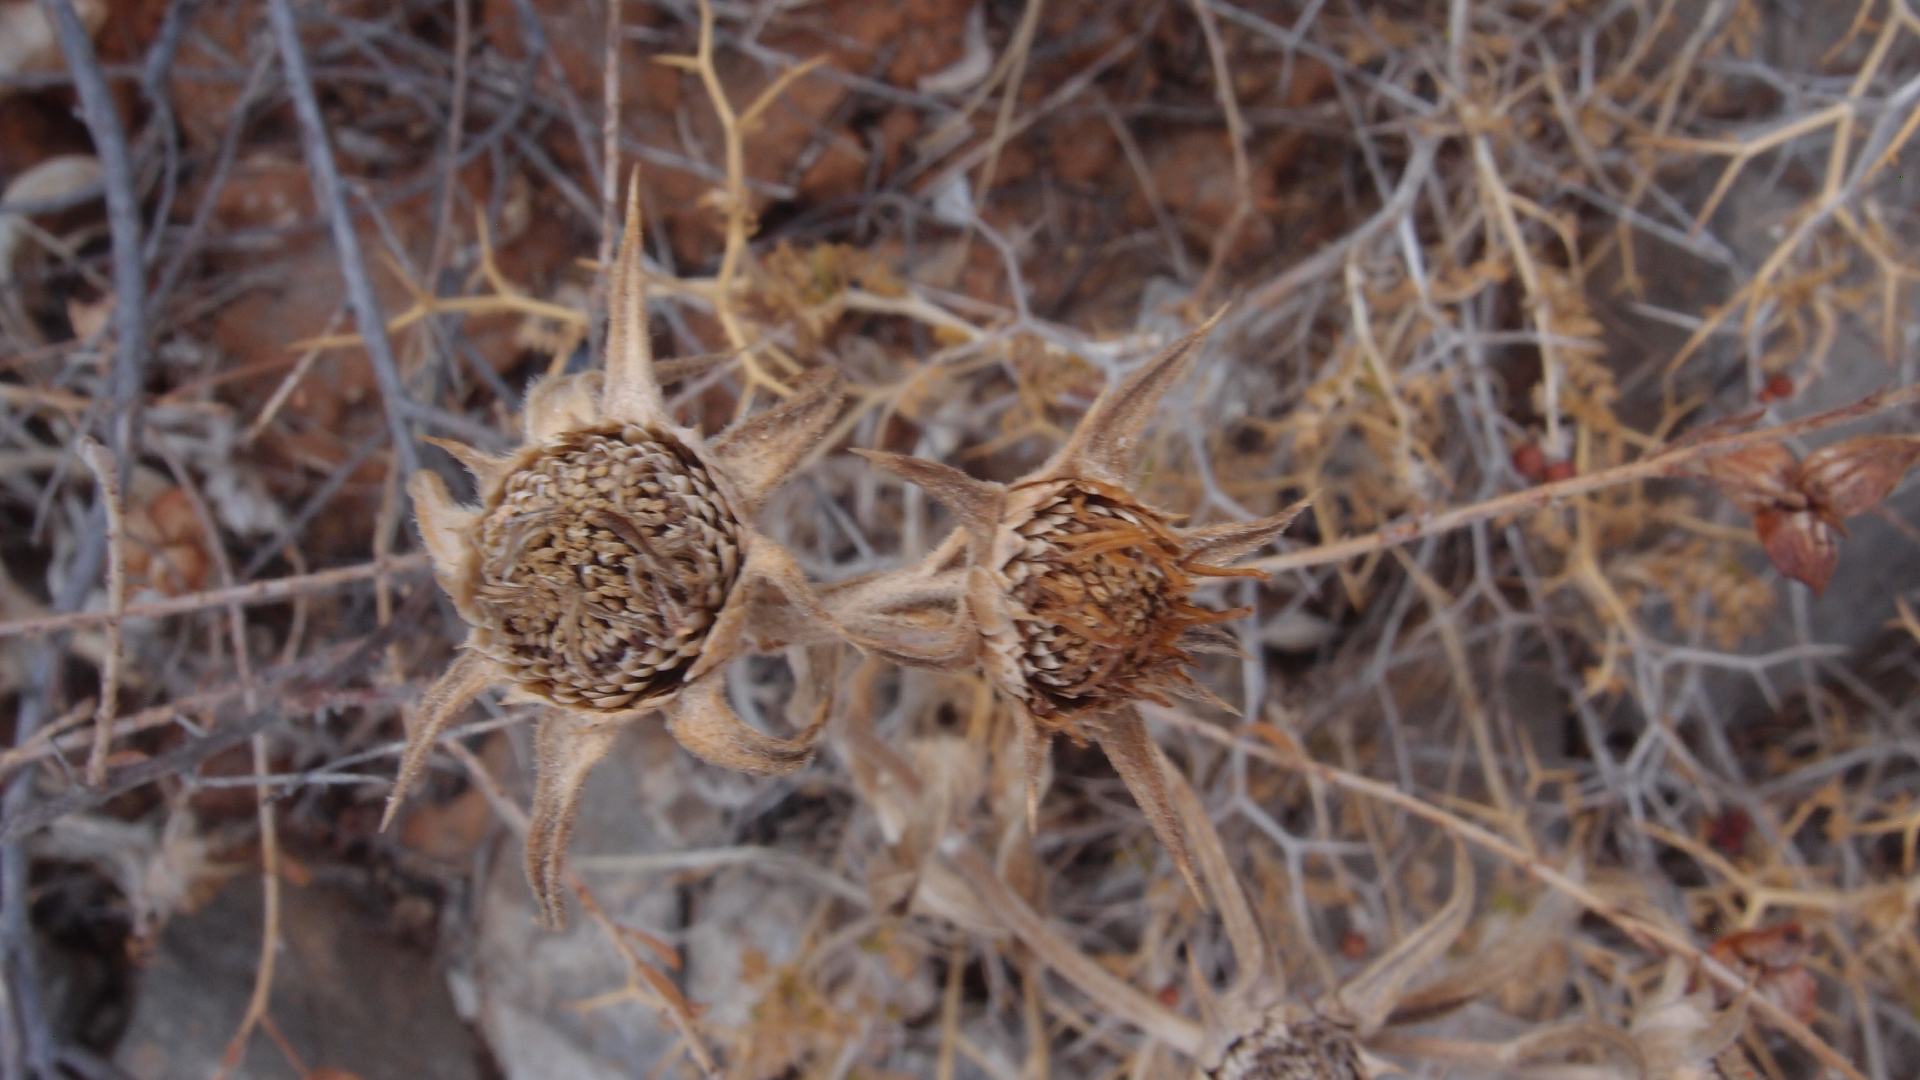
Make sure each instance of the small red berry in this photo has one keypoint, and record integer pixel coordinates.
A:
(1779, 387)
(1530, 461)
(1729, 832)
(1560, 470)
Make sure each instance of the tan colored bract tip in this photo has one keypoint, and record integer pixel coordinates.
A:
(1078, 595)
(612, 569)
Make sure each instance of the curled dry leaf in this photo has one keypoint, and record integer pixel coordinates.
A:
(1077, 596)
(1774, 958)
(1681, 1036)
(1852, 477)
(167, 549)
(27, 40)
(612, 569)
(1800, 543)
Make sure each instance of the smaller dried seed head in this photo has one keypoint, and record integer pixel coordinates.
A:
(1285, 1047)
(1102, 583)
(603, 563)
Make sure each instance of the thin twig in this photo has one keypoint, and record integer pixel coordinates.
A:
(28, 817)
(1283, 753)
(331, 197)
(106, 473)
(123, 221)
(1237, 145)
(262, 993)
(259, 592)
(1668, 462)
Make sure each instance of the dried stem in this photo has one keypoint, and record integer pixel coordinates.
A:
(1281, 750)
(328, 192)
(259, 592)
(257, 1002)
(106, 473)
(1669, 462)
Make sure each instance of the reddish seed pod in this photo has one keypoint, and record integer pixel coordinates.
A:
(1561, 470)
(1530, 461)
(1757, 478)
(1851, 477)
(1779, 387)
(1800, 544)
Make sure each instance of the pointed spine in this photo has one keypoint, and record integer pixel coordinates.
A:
(1221, 545)
(463, 681)
(1123, 735)
(1104, 443)
(759, 452)
(978, 504)
(566, 747)
(633, 393)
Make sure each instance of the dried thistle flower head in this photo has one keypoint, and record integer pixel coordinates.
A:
(1078, 596)
(612, 569)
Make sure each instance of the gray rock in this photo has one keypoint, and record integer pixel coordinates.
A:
(346, 995)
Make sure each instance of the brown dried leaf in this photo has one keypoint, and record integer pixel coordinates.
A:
(1851, 477)
(1758, 478)
(1800, 544)
(1773, 957)
(27, 41)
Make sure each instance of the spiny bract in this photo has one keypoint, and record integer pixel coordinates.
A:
(1076, 596)
(612, 569)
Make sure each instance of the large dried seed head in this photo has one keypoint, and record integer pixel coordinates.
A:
(603, 564)
(1100, 585)
(1287, 1047)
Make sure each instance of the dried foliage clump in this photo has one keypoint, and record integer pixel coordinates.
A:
(350, 523)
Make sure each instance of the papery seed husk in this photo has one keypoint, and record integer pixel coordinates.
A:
(1852, 477)
(1800, 544)
(1757, 478)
